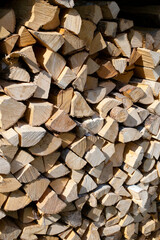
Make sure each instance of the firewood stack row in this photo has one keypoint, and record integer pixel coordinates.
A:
(79, 124)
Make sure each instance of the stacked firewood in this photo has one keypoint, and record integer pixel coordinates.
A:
(79, 124)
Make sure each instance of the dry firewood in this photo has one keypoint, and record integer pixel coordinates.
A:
(22, 200)
(11, 136)
(109, 85)
(72, 160)
(57, 228)
(106, 173)
(133, 155)
(154, 107)
(112, 50)
(20, 161)
(36, 188)
(59, 184)
(19, 92)
(134, 178)
(92, 66)
(134, 57)
(71, 20)
(118, 179)
(16, 73)
(106, 105)
(152, 124)
(30, 231)
(38, 112)
(4, 166)
(63, 3)
(133, 118)
(148, 95)
(80, 81)
(124, 77)
(123, 44)
(128, 219)
(97, 44)
(9, 184)
(47, 220)
(148, 227)
(155, 86)
(148, 58)
(150, 177)
(25, 38)
(48, 144)
(67, 138)
(148, 164)
(52, 62)
(147, 73)
(60, 122)
(128, 135)
(108, 149)
(8, 44)
(50, 40)
(76, 61)
(77, 175)
(15, 111)
(90, 12)
(48, 21)
(79, 107)
(27, 215)
(134, 93)
(120, 64)
(91, 83)
(3, 33)
(69, 193)
(7, 149)
(28, 135)
(3, 198)
(106, 70)
(43, 82)
(95, 172)
(109, 130)
(79, 146)
(94, 156)
(125, 24)
(8, 19)
(109, 199)
(87, 184)
(117, 157)
(93, 124)
(119, 114)
(65, 78)
(108, 29)
(58, 170)
(96, 95)
(27, 174)
(9, 230)
(49, 203)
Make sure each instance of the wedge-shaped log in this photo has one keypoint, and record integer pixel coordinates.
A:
(11, 136)
(60, 122)
(106, 105)
(123, 44)
(11, 111)
(69, 193)
(8, 19)
(119, 114)
(148, 58)
(96, 95)
(9, 184)
(8, 44)
(58, 170)
(91, 12)
(97, 44)
(95, 156)
(128, 135)
(147, 73)
(80, 81)
(63, 3)
(65, 78)
(93, 124)
(14, 232)
(79, 146)
(25, 38)
(27, 174)
(48, 144)
(4, 166)
(106, 70)
(59, 184)
(43, 82)
(87, 184)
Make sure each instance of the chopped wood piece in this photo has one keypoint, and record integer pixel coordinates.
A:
(148, 95)
(155, 86)
(21, 91)
(148, 165)
(15, 111)
(94, 156)
(71, 20)
(118, 179)
(67, 138)
(9, 184)
(125, 24)
(77, 175)
(8, 19)
(150, 177)
(91, 83)
(69, 193)
(59, 184)
(72, 160)
(56, 228)
(50, 40)
(43, 82)
(148, 227)
(154, 107)
(25, 38)
(65, 78)
(110, 130)
(119, 114)
(8, 44)
(9, 230)
(128, 219)
(133, 118)
(7, 149)
(128, 135)
(30, 231)
(108, 149)
(108, 29)
(22, 200)
(79, 146)
(96, 95)
(92, 66)
(3, 33)
(49, 203)
(76, 61)
(97, 44)
(111, 231)
(20, 161)
(26, 215)
(133, 155)
(48, 21)
(124, 77)
(87, 184)
(36, 188)
(107, 70)
(63, 3)
(58, 170)
(72, 43)
(28, 135)
(148, 58)
(4, 166)
(79, 107)
(134, 93)
(48, 144)
(147, 73)
(11, 136)
(117, 157)
(51, 61)
(134, 57)
(110, 10)
(91, 12)
(120, 64)
(123, 44)
(38, 112)
(106, 105)
(152, 124)
(93, 124)
(27, 174)
(109, 199)
(60, 122)
(136, 38)
(112, 50)
(80, 81)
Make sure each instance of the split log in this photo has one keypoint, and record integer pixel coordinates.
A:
(3, 33)
(125, 24)
(96, 95)
(87, 184)
(123, 44)
(148, 58)
(8, 19)
(106, 105)
(65, 78)
(79, 146)
(108, 29)
(80, 81)
(11, 136)
(119, 114)
(76, 61)
(4, 166)
(97, 44)
(93, 124)
(58, 170)
(147, 73)
(27, 174)
(106, 70)
(8, 44)
(94, 156)
(62, 3)
(25, 38)
(43, 82)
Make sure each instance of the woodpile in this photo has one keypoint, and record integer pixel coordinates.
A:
(79, 124)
